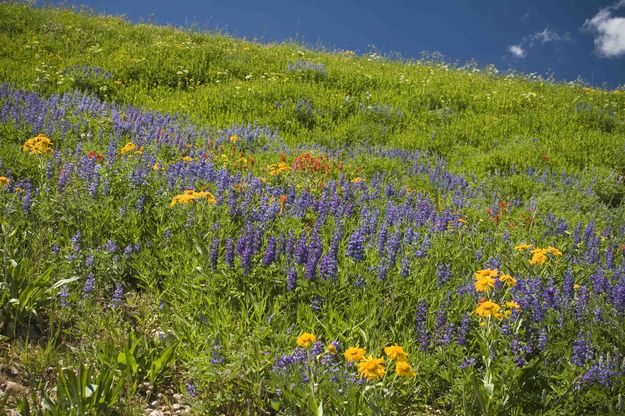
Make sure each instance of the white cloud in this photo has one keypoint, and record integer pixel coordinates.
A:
(545, 36)
(548, 35)
(609, 31)
(517, 51)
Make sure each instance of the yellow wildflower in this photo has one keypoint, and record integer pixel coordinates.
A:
(507, 279)
(130, 147)
(17, 190)
(486, 273)
(306, 339)
(190, 196)
(278, 168)
(487, 308)
(353, 354)
(156, 167)
(554, 251)
(395, 352)
(539, 256)
(233, 138)
(576, 286)
(403, 369)
(371, 368)
(523, 246)
(513, 305)
(4, 180)
(331, 348)
(484, 284)
(357, 180)
(37, 145)
(187, 158)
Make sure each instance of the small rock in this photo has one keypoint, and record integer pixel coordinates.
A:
(160, 395)
(154, 403)
(157, 413)
(11, 412)
(177, 397)
(169, 392)
(13, 371)
(13, 389)
(176, 407)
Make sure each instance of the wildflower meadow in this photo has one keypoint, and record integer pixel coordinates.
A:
(197, 224)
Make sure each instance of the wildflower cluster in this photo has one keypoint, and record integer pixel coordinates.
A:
(539, 255)
(38, 145)
(190, 196)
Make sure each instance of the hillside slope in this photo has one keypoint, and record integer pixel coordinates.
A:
(200, 224)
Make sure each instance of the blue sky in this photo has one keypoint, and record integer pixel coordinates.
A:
(567, 38)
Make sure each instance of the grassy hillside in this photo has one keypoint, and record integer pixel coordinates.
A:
(200, 224)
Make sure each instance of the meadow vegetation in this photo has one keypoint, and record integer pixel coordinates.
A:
(197, 224)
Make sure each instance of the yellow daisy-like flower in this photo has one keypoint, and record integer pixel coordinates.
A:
(190, 196)
(538, 258)
(278, 168)
(395, 352)
(357, 180)
(331, 348)
(371, 368)
(554, 251)
(576, 286)
(37, 145)
(484, 284)
(507, 279)
(513, 305)
(130, 147)
(487, 308)
(306, 339)
(354, 354)
(233, 138)
(403, 369)
(4, 181)
(156, 167)
(486, 273)
(523, 246)
(187, 158)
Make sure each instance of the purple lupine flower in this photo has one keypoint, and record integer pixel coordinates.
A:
(27, 200)
(214, 252)
(425, 246)
(568, 283)
(270, 252)
(128, 251)
(216, 357)
(76, 242)
(89, 286)
(582, 350)
(191, 389)
(110, 246)
(89, 260)
(463, 330)
(316, 304)
(291, 279)
(355, 246)
(382, 236)
(63, 296)
(315, 251)
(393, 248)
(443, 274)
(421, 326)
(118, 296)
(301, 249)
(328, 267)
(542, 340)
(382, 270)
(55, 248)
(317, 349)
(229, 252)
(469, 362)
(405, 267)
